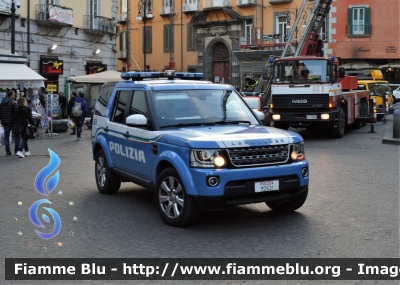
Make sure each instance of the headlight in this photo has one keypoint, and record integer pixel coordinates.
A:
(297, 152)
(208, 158)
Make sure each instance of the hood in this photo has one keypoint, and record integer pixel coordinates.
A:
(231, 136)
(6, 100)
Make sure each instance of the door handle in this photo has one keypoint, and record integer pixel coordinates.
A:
(106, 129)
(127, 134)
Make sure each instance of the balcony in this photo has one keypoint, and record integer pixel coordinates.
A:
(216, 4)
(358, 31)
(121, 18)
(53, 15)
(98, 25)
(165, 10)
(246, 3)
(190, 8)
(280, 1)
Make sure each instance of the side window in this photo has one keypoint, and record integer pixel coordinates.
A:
(121, 107)
(102, 101)
(138, 105)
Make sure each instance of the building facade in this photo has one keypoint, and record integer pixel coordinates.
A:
(201, 35)
(367, 30)
(62, 38)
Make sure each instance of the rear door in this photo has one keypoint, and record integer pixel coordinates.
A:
(132, 144)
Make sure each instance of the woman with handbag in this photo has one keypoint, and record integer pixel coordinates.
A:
(24, 116)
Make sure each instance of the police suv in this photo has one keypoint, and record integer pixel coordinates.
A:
(196, 144)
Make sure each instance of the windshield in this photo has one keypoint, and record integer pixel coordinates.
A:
(380, 88)
(301, 71)
(201, 107)
(252, 102)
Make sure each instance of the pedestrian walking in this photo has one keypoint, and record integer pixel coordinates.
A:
(24, 116)
(69, 110)
(63, 103)
(7, 117)
(79, 111)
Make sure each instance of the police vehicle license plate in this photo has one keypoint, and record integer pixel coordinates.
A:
(312, 117)
(265, 186)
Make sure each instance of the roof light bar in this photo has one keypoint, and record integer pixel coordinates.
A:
(170, 74)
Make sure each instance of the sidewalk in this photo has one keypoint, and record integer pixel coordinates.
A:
(388, 135)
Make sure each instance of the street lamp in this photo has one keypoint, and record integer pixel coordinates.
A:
(13, 5)
(147, 14)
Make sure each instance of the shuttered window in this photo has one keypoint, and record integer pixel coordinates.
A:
(191, 38)
(147, 40)
(168, 38)
(359, 22)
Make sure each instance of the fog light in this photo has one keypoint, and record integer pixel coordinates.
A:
(276, 117)
(324, 116)
(304, 171)
(213, 181)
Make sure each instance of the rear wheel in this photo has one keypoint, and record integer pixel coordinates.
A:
(107, 182)
(175, 207)
(289, 206)
(338, 131)
(391, 105)
(364, 108)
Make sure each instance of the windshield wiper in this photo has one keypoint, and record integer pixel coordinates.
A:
(233, 122)
(188, 124)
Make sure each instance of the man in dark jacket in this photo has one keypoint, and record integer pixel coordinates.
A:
(69, 110)
(7, 117)
(80, 119)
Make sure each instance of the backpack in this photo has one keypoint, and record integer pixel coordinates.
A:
(77, 110)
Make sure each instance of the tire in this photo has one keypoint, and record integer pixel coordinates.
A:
(338, 132)
(107, 182)
(364, 108)
(289, 206)
(175, 207)
(281, 125)
(391, 105)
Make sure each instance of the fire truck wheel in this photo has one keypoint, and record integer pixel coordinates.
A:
(364, 108)
(338, 131)
(289, 206)
(281, 125)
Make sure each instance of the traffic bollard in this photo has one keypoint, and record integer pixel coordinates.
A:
(396, 124)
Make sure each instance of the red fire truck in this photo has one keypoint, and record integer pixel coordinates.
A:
(310, 91)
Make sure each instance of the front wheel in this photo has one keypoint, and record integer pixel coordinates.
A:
(175, 207)
(338, 131)
(107, 182)
(289, 206)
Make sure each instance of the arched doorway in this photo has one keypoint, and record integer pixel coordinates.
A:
(220, 64)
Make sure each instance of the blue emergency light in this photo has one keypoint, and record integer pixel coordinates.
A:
(168, 74)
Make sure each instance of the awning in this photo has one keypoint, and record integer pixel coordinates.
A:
(99, 78)
(18, 75)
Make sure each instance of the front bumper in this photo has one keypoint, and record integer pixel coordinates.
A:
(237, 186)
(305, 118)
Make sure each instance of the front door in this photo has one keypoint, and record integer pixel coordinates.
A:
(221, 64)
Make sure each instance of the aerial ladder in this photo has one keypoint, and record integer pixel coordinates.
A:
(310, 18)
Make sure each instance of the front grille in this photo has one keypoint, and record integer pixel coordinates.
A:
(261, 155)
(313, 101)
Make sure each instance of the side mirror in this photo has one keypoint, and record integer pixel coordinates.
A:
(259, 115)
(136, 120)
(342, 73)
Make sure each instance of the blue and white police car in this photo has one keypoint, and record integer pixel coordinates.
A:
(196, 144)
